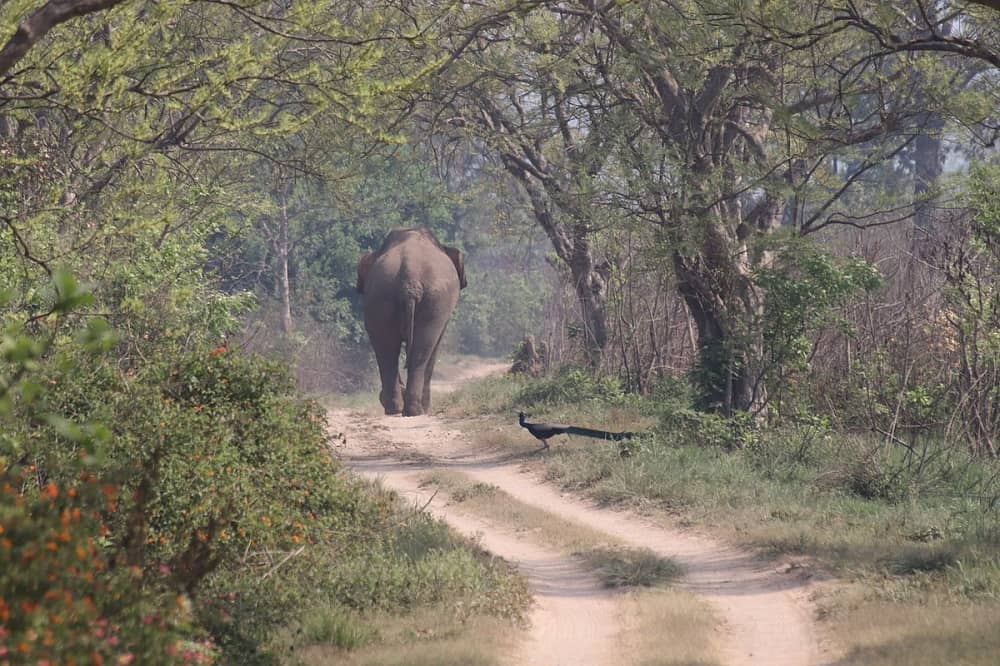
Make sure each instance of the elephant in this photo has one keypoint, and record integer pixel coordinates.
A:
(408, 287)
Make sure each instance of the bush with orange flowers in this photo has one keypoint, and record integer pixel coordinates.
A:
(166, 499)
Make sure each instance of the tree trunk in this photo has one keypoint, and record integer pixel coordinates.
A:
(927, 167)
(572, 245)
(591, 282)
(727, 308)
(282, 248)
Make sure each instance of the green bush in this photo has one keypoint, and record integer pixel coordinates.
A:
(421, 562)
(67, 593)
(630, 567)
(166, 500)
(64, 596)
(570, 385)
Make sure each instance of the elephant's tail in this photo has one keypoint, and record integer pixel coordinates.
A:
(410, 310)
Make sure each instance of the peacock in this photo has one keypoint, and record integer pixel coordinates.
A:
(543, 431)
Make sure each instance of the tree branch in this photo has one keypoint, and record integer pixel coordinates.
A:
(41, 21)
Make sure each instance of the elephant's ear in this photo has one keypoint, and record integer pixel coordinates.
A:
(364, 265)
(456, 258)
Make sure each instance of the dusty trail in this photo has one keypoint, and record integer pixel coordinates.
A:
(765, 613)
(574, 620)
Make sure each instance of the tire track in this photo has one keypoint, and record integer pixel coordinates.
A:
(574, 620)
(766, 616)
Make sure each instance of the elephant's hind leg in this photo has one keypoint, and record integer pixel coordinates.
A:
(428, 374)
(416, 373)
(393, 402)
(420, 358)
(391, 395)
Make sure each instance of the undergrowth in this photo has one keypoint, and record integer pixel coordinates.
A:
(181, 505)
(917, 518)
(912, 529)
(414, 566)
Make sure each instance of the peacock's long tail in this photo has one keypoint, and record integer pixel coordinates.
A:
(599, 434)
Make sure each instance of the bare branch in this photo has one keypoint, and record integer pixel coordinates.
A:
(41, 21)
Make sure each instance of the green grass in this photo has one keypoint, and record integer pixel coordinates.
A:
(337, 627)
(432, 635)
(493, 395)
(631, 567)
(372, 600)
(915, 533)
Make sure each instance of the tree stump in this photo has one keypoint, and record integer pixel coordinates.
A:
(527, 359)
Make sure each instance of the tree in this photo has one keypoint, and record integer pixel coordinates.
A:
(517, 94)
(750, 110)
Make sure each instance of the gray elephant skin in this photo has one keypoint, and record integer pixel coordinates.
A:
(408, 287)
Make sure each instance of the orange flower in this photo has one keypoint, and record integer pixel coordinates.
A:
(218, 350)
(51, 490)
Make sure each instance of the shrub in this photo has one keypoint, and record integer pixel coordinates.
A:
(571, 385)
(627, 567)
(64, 599)
(66, 594)
(179, 504)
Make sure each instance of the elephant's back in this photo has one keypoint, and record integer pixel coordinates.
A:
(419, 270)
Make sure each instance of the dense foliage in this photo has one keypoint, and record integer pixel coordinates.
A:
(167, 497)
(739, 209)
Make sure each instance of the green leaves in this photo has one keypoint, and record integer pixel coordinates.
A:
(804, 287)
(70, 295)
(97, 337)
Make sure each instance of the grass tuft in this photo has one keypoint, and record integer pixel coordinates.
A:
(475, 490)
(923, 560)
(631, 567)
(336, 627)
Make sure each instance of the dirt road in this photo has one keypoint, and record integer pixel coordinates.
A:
(764, 613)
